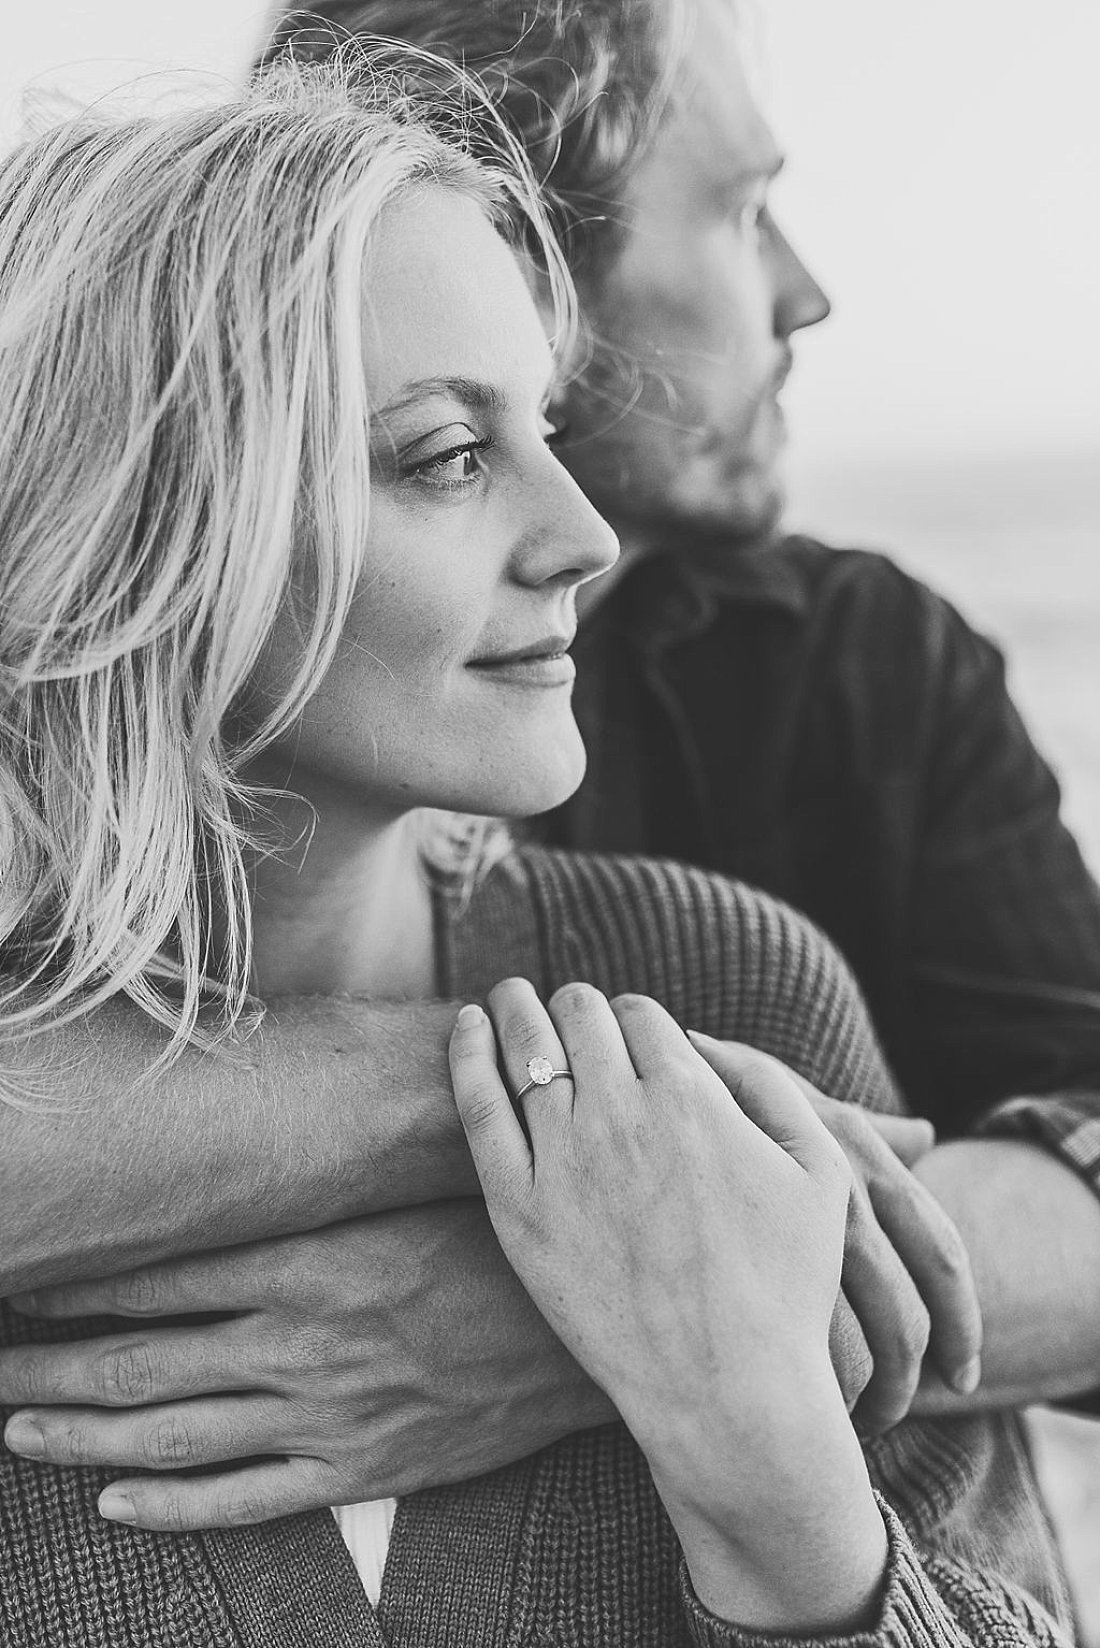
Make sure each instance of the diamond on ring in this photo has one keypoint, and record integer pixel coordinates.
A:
(540, 1073)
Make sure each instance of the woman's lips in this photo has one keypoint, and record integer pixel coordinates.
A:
(542, 670)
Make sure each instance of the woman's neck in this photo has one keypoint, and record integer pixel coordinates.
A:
(342, 906)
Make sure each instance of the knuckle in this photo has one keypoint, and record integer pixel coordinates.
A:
(943, 1250)
(577, 1000)
(125, 1374)
(153, 1508)
(906, 1188)
(907, 1131)
(861, 1147)
(520, 1218)
(239, 1507)
(524, 1029)
(67, 1442)
(23, 1379)
(636, 1006)
(140, 1291)
(283, 1275)
(170, 1443)
(879, 1411)
(748, 1067)
(911, 1337)
(861, 1366)
(842, 1120)
(850, 1352)
(480, 1106)
(952, 1256)
(642, 1017)
(312, 1346)
(854, 1374)
(862, 1222)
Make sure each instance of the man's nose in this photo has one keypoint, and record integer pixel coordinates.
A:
(799, 300)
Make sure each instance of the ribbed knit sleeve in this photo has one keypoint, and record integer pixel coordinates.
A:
(927, 1602)
(721, 957)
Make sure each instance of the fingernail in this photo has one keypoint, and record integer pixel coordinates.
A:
(24, 1437)
(967, 1379)
(470, 1015)
(115, 1506)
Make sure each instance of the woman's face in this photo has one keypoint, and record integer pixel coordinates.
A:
(451, 686)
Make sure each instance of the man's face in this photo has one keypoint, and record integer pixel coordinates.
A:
(677, 420)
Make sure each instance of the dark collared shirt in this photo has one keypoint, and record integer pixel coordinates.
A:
(820, 724)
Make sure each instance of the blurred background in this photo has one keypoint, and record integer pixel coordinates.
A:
(943, 185)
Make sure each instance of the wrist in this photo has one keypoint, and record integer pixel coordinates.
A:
(703, 1450)
(788, 1537)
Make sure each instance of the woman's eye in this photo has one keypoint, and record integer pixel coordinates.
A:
(456, 466)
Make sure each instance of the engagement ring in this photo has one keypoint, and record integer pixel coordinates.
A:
(541, 1073)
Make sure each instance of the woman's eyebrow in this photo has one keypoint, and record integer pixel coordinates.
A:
(482, 397)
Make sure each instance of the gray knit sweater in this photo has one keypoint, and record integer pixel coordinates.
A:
(570, 1548)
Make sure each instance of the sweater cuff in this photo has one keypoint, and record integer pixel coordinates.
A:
(911, 1613)
(1067, 1123)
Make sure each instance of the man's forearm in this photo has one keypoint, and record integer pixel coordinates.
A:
(1032, 1228)
(331, 1108)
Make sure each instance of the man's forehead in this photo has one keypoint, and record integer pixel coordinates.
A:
(714, 108)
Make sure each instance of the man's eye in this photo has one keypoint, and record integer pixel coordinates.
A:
(752, 216)
(555, 431)
(455, 466)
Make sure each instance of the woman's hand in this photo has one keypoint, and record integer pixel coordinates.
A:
(685, 1242)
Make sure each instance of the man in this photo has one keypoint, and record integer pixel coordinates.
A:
(809, 719)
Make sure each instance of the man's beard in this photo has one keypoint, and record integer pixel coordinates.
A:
(744, 509)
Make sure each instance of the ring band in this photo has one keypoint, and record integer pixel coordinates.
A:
(540, 1073)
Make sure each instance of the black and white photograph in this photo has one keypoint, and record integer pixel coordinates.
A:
(549, 824)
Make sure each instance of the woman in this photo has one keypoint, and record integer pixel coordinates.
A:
(230, 690)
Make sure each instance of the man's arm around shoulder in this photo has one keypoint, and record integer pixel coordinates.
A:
(331, 1108)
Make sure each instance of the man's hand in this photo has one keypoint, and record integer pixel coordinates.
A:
(907, 1273)
(850, 1353)
(393, 1352)
(370, 1358)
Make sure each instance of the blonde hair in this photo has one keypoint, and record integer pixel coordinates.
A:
(183, 448)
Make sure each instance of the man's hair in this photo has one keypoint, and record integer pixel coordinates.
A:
(184, 452)
(582, 83)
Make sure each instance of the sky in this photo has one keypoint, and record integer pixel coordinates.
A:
(942, 181)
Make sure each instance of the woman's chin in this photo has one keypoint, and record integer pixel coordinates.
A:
(536, 782)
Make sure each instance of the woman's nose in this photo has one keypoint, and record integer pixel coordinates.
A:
(571, 542)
